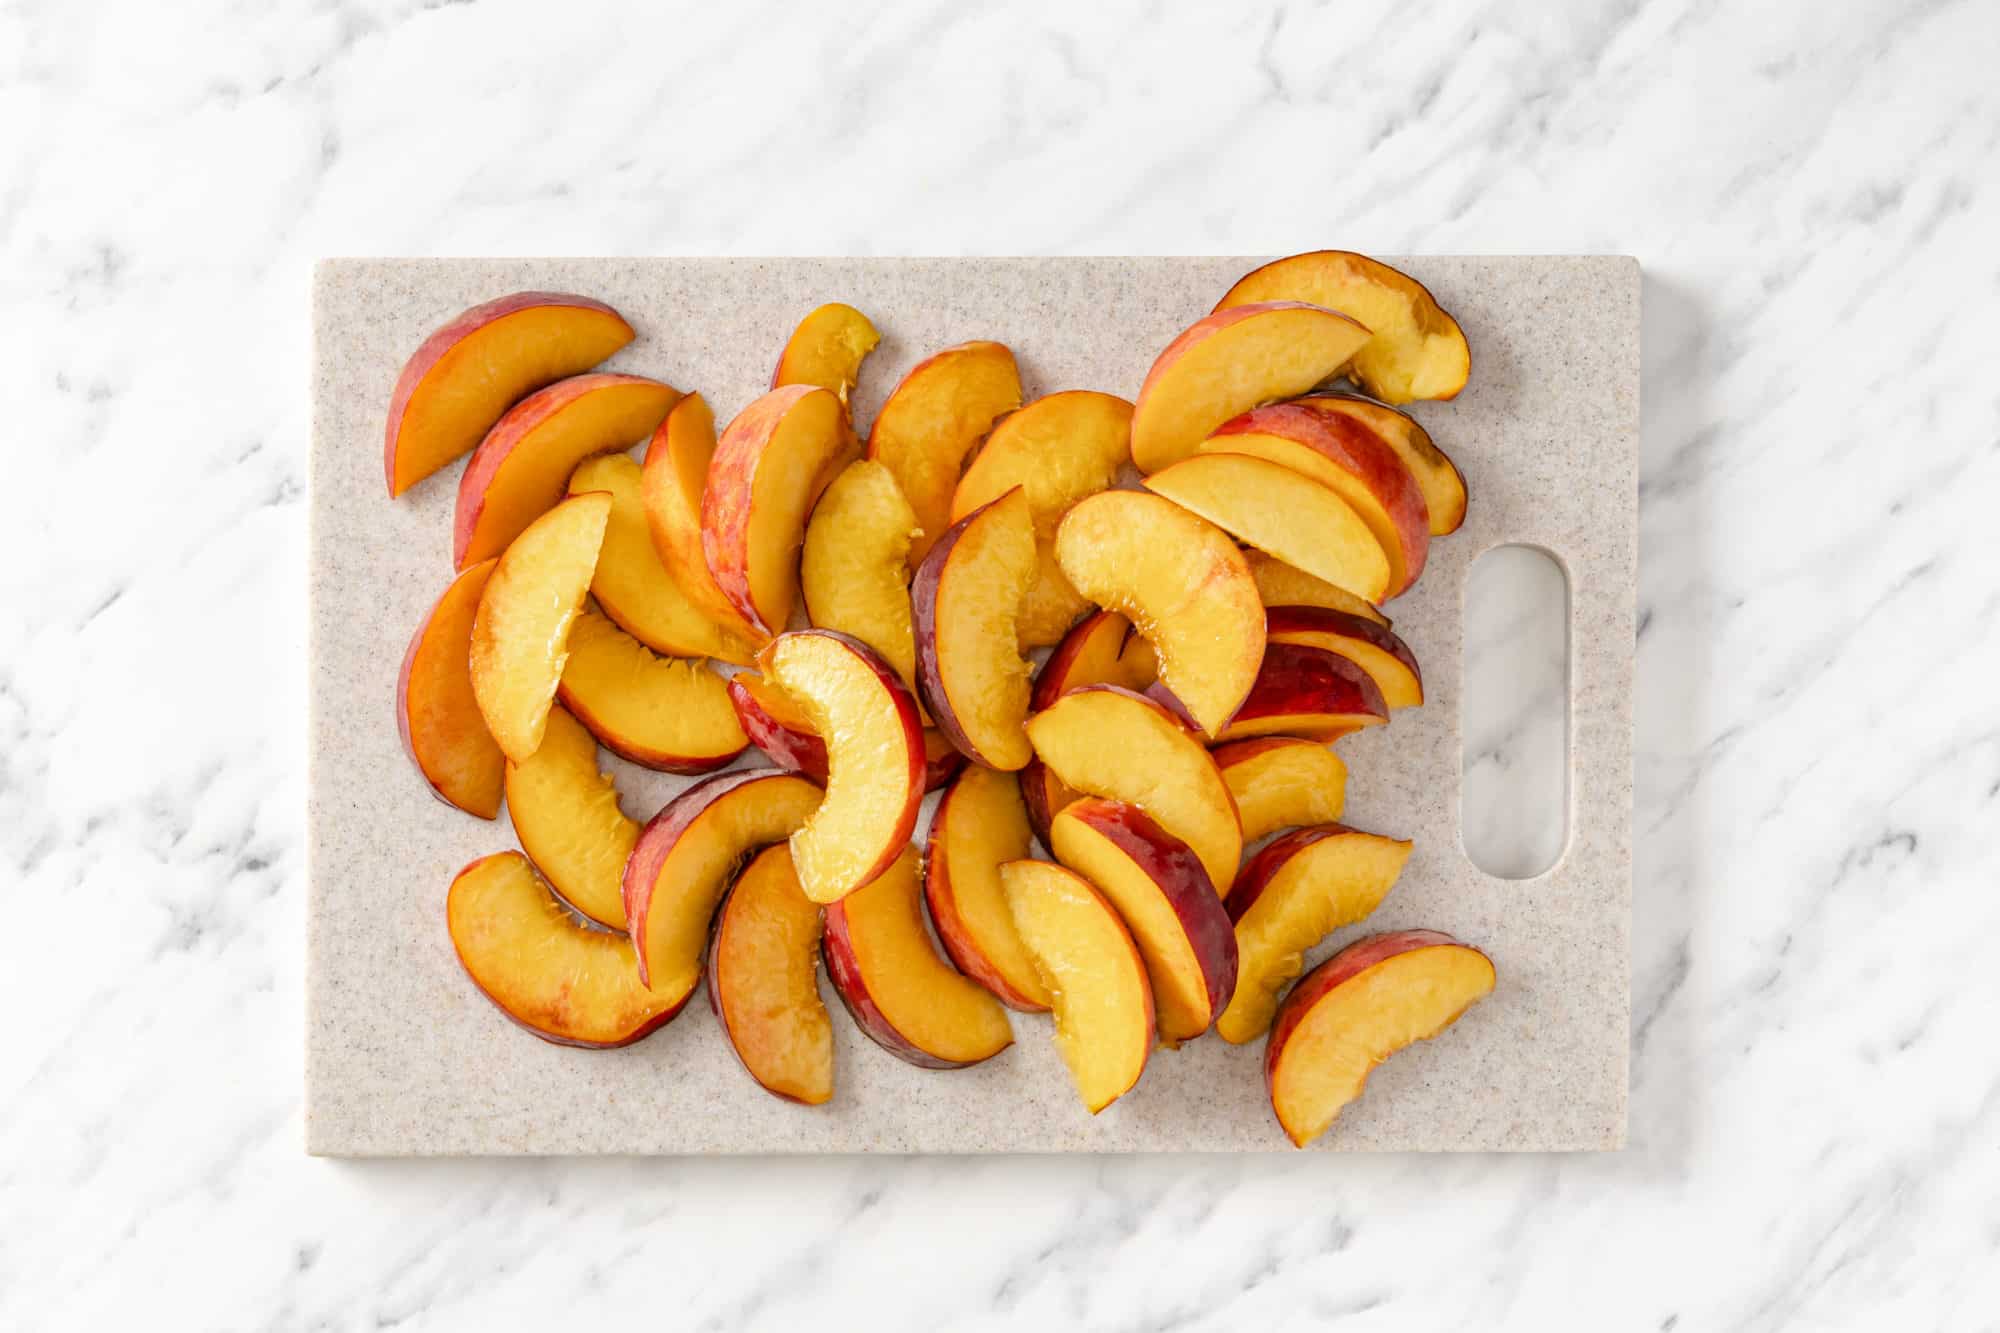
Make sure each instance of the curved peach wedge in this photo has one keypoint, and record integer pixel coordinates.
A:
(827, 349)
(566, 815)
(875, 757)
(1290, 896)
(1309, 693)
(1095, 977)
(1437, 476)
(659, 712)
(1357, 1009)
(780, 728)
(1282, 782)
(900, 993)
(967, 595)
(1101, 649)
(1230, 361)
(942, 408)
(1181, 582)
(671, 483)
(854, 570)
(522, 467)
(564, 981)
(465, 375)
(1374, 648)
(1278, 584)
(980, 823)
(763, 981)
(439, 720)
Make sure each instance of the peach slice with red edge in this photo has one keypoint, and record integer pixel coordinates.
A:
(763, 981)
(659, 712)
(685, 856)
(1290, 896)
(980, 823)
(780, 728)
(875, 757)
(522, 468)
(1101, 649)
(1181, 581)
(562, 980)
(967, 595)
(827, 349)
(933, 419)
(854, 569)
(567, 819)
(1168, 902)
(1374, 648)
(520, 633)
(1097, 983)
(463, 377)
(1229, 362)
(1278, 584)
(1305, 692)
(1437, 476)
(1357, 1009)
(1415, 349)
(672, 482)
(900, 993)
(1282, 782)
(439, 720)
(1102, 740)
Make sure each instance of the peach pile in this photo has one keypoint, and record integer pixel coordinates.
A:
(1138, 834)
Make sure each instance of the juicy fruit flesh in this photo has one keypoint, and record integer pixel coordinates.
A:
(566, 814)
(764, 980)
(438, 715)
(671, 482)
(827, 349)
(1408, 998)
(937, 414)
(1102, 650)
(1278, 584)
(1284, 783)
(855, 569)
(521, 631)
(980, 824)
(547, 971)
(1400, 686)
(1437, 476)
(986, 681)
(1096, 982)
(659, 711)
(788, 480)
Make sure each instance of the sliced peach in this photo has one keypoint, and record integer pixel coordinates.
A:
(780, 728)
(465, 375)
(1095, 977)
(685, 856)
(769, 468)
(1415, 350)
(1103, 740)
(1301, 521)
(1228, 363)
(1058, 449)
(875, 757)
(855, 570)
(1310, 693)
(566, 816)
(1437, 476)
(1182, 582)
(763, 980)
(520, 633)
(943, 761)
(1374, 648)
(827, 349)
(1171, 907)
(1282, 782)
(442, 730)
(1290, 896)
(1356, 1010)
(980, 823)
(901, 994)
(672, 482)
(1278, 584)
(967, 595)
(1102, 649)
(660, 712)
(943, 407)
(564, 981)
(522, 467)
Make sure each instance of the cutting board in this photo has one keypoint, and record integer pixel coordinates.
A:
(405, 1057)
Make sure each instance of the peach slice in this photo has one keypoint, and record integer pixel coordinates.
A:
(442, 730)
(943, 407)
(464, 376)
(564, 981)
(1374, 648)
(1350, 459)
(1058, 449)
(1278, 584)
(1356, 1010)
(658, 712)
(1102, 649)
(779, 727)
(671, 483)
(1300, 520)
(566, 816)
(1181, 582)
(855, 570)
(520, 633)
(875, 757)
(763, 980)
(522, 467)
(1416, 350)
(1095, 977)
(1290, 896)
(1168, 902)
(769, 468)
(1228, 363)
(827, 349)
(1437, 476)
(980, 823)
(1282, 782)
(1103, 740)
(684, 859)
(900, 993)
(967, 594)
(1309, 693)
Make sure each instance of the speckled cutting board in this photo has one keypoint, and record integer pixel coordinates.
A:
(403, 1056)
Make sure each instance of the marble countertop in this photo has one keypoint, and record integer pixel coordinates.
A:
(1813, 191)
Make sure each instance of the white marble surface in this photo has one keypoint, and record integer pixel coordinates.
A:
(1813, 189)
